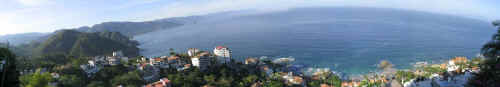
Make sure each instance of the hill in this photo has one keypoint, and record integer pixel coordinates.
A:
(23, 38)
(130, 28)
(74, 43)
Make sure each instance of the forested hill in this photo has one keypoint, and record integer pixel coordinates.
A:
(75, 43)
(130, 28)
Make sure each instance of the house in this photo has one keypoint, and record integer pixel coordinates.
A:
(173, 60)
(149, 72)
(164, 82)
(116, 58)
(454, 64)
(251, 61)
(193, 51)
(291, 79)
(90, 68)
(223, 54)
(201, 61)
(159, 62)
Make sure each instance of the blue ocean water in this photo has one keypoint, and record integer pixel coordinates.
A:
(351, 40)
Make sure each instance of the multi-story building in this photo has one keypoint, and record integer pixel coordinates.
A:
(202, 60)
(116, 58)
(223, 54)
(193, 51)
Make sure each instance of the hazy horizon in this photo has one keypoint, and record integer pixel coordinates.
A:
(25, 16)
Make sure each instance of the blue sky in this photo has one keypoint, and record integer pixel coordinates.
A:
(20, 16)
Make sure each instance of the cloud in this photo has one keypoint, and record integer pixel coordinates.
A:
(33, 2)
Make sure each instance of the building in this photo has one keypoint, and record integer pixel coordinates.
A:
(116, 58)
(90, 68)
(202, 60)
(454, 64)
(164, 82)
(193, 51)
(223, 54)
(252, 61)
(149, 73)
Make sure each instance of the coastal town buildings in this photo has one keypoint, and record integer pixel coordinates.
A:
(116, 58)
(91, 68)
(455, 64)
(193, 51)
(202, 60)
(164, 82)
(251, 61)
(149, 72)
(223, 54)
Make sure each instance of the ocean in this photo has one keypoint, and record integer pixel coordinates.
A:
(351, 40)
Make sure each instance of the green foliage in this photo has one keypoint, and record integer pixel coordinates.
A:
(130, 28)
(489, 76)
(405, 76)
(132, 79)
(314, 83)
(36, 79)
(273, 83)
(78, 44)
(434, 69)
(249, 80)
(334, 80)
(10, 73)
(106, 74)
(70, 81)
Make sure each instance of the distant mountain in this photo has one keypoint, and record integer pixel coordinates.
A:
(128, 29)
(133, 28)
(75, 43)
(23, 38)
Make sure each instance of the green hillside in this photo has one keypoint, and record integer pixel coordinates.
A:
(80, 44)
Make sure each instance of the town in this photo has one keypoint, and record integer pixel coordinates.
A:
(218, 69)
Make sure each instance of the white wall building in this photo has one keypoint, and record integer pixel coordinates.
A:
(202, 61)
(193, 51)
(223, 54)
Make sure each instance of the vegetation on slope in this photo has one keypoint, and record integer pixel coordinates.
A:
(79, 44)
(9, 75)
(129, 28)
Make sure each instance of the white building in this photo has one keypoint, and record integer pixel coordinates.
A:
(193, 51)
(90, 68)
(202, 61)
(117, 58)
(223, 54)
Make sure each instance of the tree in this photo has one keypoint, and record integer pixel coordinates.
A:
(273, 83)
(9, 75)
(130, 79)
(334, 80)
(314, 83)
(210, 79)
(249, 80)
(489, 76)
(70, 81)
(36, 79)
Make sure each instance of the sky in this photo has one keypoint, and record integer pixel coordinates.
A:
(22, 16)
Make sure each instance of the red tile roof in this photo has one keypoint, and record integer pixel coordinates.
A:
(159, 83)
(220, 47)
